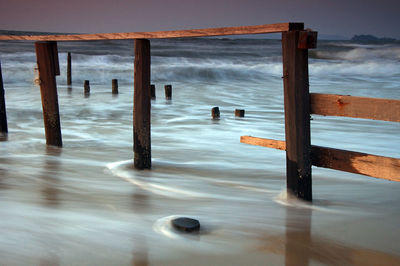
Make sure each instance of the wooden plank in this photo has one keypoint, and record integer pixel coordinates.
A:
(358, 107)
(342, 160)
(142, 105)
(242, 30)
(269, 143)
(48, 90)
(3, 114)
(297, 116)
(357, 162)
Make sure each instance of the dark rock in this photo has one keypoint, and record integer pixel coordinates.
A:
(186, 224)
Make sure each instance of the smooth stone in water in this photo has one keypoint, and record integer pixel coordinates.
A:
(186, 224)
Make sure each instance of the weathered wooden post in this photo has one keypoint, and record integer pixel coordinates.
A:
(297, 113)
(239, 112)
(142, 105)
(153, 91)
(69, 70)
(3, 115)
(47, 60)
(114, 84)
(168, 92)
(86, 87)
(215, 114)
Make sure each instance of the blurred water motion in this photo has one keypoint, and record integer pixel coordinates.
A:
(84, 204)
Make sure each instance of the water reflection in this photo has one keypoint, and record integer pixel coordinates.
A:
(49, 175)
(300, 246)
(298, 236)
(140, 252)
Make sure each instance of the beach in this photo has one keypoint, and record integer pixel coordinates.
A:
(84, 204)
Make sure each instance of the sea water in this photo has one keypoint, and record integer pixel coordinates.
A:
(84, 204)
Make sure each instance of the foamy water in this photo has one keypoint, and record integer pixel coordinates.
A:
(85, 204)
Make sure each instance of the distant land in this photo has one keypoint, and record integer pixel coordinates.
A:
(371, 38)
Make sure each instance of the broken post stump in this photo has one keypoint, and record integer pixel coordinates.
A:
(3, 115)
(239, 112)
(86, 87)
(168, 92)
(47, 61)
(114, 86)
(215, 114)
(69, 70)
(153, 91)
(142, 105)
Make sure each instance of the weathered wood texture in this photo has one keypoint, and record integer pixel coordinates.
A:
(69, 69)
(297, 116)
(269, 143)
(3, 114)
(347, 161)
(357, 162)
(358, 107)
(114, 84)
(47, 60)
(258, 29)
(142, 105)
(168, 92)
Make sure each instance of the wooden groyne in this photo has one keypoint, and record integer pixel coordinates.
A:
(299, 104)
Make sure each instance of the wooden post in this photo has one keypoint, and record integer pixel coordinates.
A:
(69, 78)
(114, 86)
(297, 116)
(168, 92)
(215, 114)
(239, 112)
(47, 60)
(153, 91)
(86, 87)
(142, 105)
(3, 115)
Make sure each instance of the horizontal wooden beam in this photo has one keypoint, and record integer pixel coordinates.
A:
(358, 107)
(347, 161)
(242, 30)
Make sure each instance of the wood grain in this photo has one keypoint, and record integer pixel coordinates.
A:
(46, 60)
(343, 160)
(297, 116)
(358, 107)
(242, 30)
(142, 106)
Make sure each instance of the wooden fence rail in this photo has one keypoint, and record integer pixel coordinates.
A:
(348, 161)
(242, 30)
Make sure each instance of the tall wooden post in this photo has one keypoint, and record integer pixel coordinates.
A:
(297, 116)
(3, 115)
(142, 105)
(69, 70)
(47, 60)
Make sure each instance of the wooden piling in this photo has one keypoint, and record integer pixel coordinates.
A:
(168, 92)
(153, 91)
(86, 87)
(142, 106)
(297, 116)
(69, 70)
(47, 60)
(215, 114)
(3, 115)
(114, 86)
(239, 112)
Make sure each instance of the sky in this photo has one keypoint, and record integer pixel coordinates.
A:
(329, 17)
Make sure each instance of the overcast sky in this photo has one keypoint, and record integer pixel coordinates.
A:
(336, 17)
